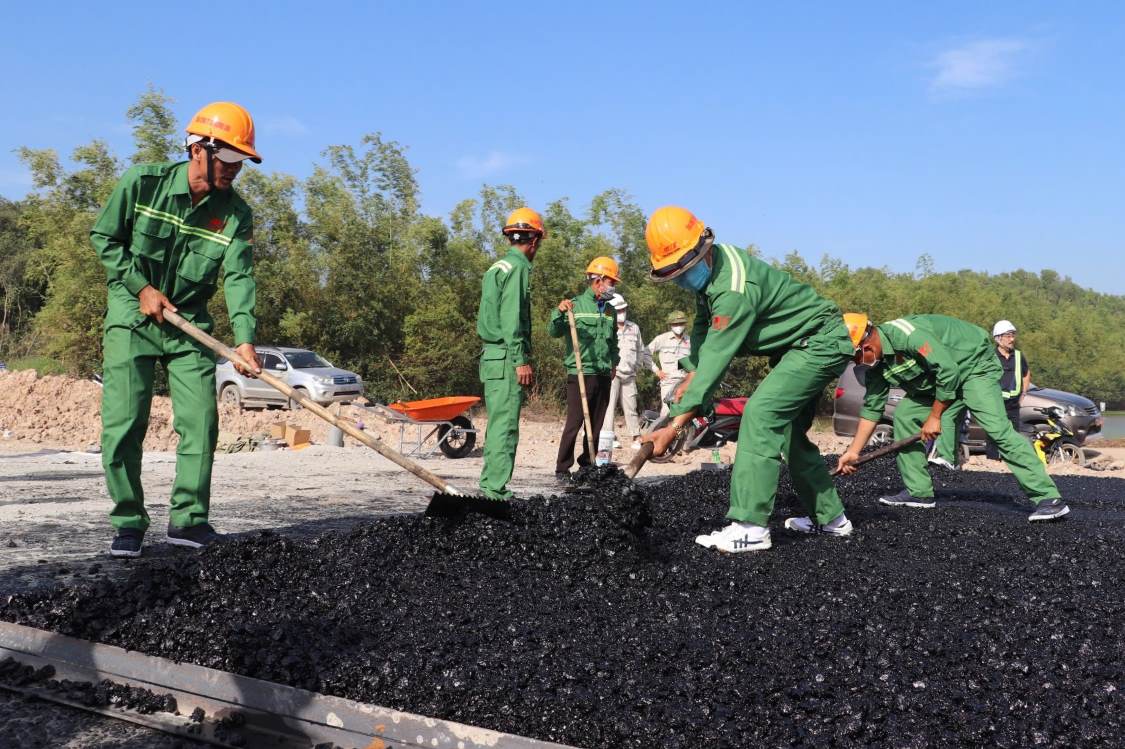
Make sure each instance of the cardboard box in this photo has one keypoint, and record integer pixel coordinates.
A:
(295, 436)
(277, 431)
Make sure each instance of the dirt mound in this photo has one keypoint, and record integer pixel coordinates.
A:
(594, 620)
(65, 411)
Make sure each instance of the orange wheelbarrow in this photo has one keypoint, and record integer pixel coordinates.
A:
(427, 426)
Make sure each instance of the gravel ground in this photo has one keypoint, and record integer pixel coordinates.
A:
(34, 724)
(963, 625)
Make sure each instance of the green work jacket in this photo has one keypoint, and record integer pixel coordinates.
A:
(149, 233)
(504, 315)
(927, 355)
(748, 308)
(597, 334)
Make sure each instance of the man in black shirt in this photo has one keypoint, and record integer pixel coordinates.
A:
(1017, 375)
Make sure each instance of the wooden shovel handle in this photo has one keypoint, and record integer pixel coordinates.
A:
(590, 436)
(894, 447)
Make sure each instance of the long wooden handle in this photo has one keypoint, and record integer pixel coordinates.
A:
(639, 460)
(593, 438)
(345, 426)
(894, 447)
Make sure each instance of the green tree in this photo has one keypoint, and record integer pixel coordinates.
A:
(154, 127)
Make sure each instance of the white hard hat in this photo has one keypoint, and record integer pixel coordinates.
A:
(618, 302)
(1002, 327)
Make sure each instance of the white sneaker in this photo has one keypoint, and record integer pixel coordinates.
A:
(841, 526)
(737, 538)
(942, 463)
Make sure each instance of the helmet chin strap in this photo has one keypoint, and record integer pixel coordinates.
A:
(210, 149)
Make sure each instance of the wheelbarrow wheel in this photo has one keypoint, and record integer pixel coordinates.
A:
(454, 440)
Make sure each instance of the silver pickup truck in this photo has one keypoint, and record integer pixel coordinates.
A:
(302, 369)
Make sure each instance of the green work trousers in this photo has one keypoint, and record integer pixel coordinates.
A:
(951, 419)
(130, 357)
(503, 398)
(981, 394)
(774, 427)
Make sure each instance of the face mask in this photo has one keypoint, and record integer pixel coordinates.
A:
(609, 291)
(678, 329)
(620, 318)
(694, 278)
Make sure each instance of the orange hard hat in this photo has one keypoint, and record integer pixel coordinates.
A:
(672, 232)
(858, 324)
(604, 266)
(228, 122)
(524, 219)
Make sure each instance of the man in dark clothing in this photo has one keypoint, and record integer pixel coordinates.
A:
(596, 324)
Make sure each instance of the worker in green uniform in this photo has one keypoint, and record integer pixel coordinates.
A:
(504, 325)
(595, 321)
(166, 235)
(746, 307)
(942, 363)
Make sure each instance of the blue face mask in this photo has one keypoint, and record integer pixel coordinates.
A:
(695, 277)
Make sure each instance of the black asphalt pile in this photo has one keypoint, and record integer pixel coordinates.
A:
(594, 620)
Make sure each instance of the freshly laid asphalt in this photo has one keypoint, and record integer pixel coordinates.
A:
(594, 620)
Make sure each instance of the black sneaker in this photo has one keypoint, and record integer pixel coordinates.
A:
(1049, 509)
(127, 543)
(905, 499)
(195, 537)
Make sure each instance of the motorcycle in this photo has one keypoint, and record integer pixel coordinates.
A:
(1054, 442)
(713, 430)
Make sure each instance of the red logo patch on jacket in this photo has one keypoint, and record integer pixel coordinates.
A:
(925, 349)
(216, 224)
(718, 322)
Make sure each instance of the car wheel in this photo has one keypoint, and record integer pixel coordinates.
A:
(883, 436)
(231, 396)
(453, 440)
(294, 405)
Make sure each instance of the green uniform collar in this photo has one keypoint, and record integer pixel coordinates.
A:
(517, 256)
(888, 350)
(180, 186)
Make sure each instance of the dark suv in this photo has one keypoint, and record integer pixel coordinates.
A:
(1081, 415)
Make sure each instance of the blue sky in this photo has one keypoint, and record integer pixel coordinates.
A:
(988, 135)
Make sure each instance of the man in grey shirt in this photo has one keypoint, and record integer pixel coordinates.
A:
(633, 356)
(665, 352)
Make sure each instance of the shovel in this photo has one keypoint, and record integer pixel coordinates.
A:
(890, 449)
(440, 504)
(591, 438)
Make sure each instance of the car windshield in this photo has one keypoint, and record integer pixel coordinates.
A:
(305, 360)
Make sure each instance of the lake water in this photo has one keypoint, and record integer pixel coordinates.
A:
(1114, 426)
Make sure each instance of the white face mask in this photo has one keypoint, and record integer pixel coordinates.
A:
(678, 329)
(620, 318)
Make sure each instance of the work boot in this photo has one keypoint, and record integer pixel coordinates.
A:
(737, 538)
(905, 499)
(941, 462)
(1049, 509)
(195, 537)
(127, 543)
(841, 526)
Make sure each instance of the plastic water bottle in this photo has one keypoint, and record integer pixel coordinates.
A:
(715, 457)
(605, 448)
